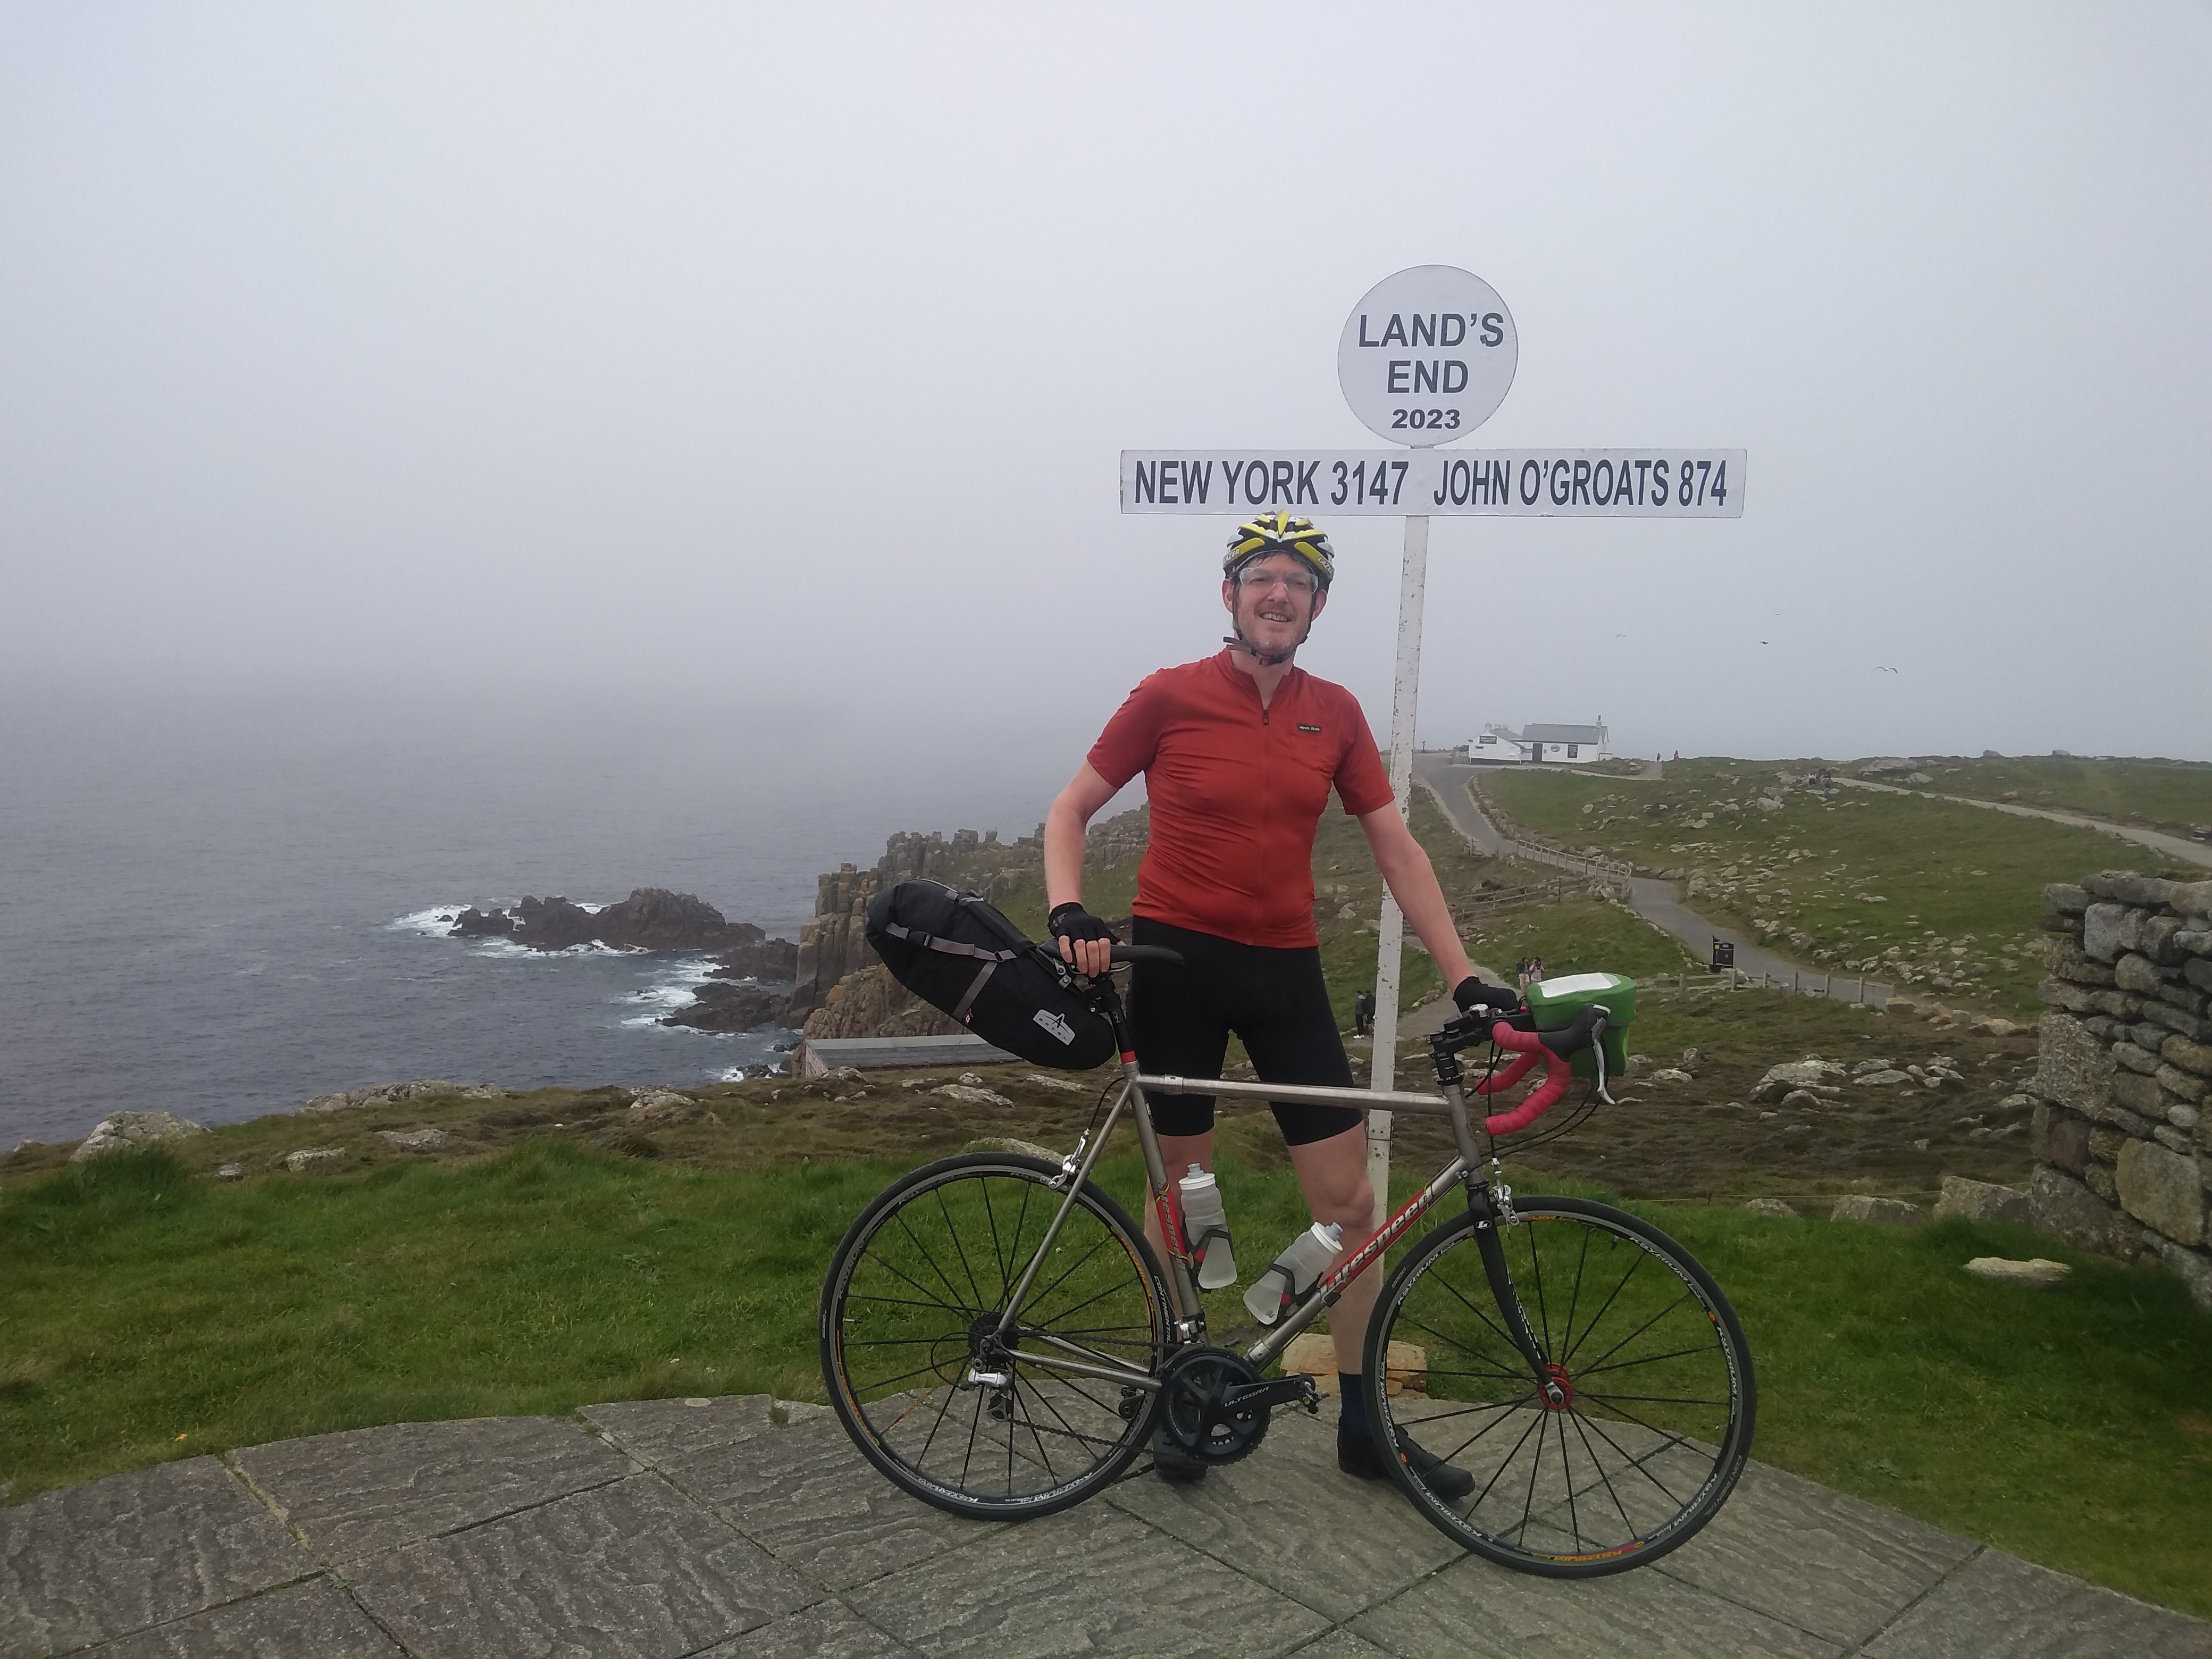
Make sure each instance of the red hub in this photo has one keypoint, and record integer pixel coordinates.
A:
(1558, 1391)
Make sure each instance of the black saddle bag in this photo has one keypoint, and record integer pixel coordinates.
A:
(959, 954)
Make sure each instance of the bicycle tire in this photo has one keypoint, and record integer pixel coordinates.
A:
(927, 1267)
(1659, 1403)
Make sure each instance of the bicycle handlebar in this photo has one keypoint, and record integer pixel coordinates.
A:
(1553, 1047)
(1146, 953)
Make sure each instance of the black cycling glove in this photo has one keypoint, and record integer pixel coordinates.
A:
(1072, 920)
(1470, 993)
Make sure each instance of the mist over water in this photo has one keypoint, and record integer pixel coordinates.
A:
(220, 906)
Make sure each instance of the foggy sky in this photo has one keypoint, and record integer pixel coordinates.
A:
(777, 359)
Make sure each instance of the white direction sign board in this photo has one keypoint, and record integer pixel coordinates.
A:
(1427, 356)
(1573, 483)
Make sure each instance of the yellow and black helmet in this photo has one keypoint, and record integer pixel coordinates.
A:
(1281, 532)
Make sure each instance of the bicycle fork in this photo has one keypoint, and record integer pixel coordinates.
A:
(1489, 1207)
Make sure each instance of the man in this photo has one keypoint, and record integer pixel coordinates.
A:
(1239, 752)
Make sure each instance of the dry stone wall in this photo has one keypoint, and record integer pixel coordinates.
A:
(2122, 1137)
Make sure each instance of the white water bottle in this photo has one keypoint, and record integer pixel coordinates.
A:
(1203, 1213)
(1292, 1273)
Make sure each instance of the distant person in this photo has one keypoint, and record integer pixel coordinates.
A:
(1240, 752)
(1362, 1014)
(1536, 970)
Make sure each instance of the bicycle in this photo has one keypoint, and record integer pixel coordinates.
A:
(1000, 1341)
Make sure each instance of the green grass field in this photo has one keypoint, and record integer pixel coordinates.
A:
(1922, 893)
(2175, 796)
(148, 1314)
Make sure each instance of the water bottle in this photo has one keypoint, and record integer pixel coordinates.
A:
(1292, 1273)
(1202, 1213)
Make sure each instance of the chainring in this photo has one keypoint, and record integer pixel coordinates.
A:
(1192, 1411)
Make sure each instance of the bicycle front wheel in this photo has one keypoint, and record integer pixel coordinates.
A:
(1641, 1424)
(982, 1426)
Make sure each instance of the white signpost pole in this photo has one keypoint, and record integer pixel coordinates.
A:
(1427, 355)
(1405, 697)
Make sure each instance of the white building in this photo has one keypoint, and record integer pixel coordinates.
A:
(1578, 744)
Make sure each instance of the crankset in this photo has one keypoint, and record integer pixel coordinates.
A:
(1215, 1406)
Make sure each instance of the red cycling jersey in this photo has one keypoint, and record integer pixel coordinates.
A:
(1237, 792)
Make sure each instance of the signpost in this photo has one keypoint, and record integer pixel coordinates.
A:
(1426, 357)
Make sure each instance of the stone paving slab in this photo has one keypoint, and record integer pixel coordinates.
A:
(758, 1532)
(1831, 1565)
(1289, 1517)
(1999, 1607)
(806, 1495)
(1475, 1608)
(628, 1571)
(826, 1630)
(315, 1617)
(367, 1490)
(653, 1431)
(117, 1555)
(1094, 1579)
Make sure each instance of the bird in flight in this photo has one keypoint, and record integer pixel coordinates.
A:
(1878, 669)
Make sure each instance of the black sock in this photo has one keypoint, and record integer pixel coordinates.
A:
(1351, 1399)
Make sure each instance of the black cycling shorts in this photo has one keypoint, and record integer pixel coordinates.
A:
(1275, 1001)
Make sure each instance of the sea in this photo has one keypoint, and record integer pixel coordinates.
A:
(220, 905)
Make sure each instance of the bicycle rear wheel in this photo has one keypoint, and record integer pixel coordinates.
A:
(908, 1318)
(1647, 1419)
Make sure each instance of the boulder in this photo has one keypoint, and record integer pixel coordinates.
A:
(2073, 1068)
(653, 1107)
(2191, 1268)
(1882, 1211)
(2110, 931)
(1668, 1075)
(765, 959)
(1066, 1085)
(2066, 1210)
(1888, 1078)
(1798, 1100)
(1996, 1028)
(1773, 1207)
(1981, 1200)
(972, 1096)
(1889, 766)
(1801, 1073)
(232, 1171)
(2162, 1187)
(2130, 887)
(416, 1140)
(314, 1158)
(120, 1131)
(2037, 1273)
(391, 1094)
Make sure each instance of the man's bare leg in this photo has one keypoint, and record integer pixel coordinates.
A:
(1334, 1175)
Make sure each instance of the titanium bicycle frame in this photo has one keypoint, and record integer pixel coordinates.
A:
(1488, 1208)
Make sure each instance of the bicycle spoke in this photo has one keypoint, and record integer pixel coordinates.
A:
(936, 1257)
(1643, 1444)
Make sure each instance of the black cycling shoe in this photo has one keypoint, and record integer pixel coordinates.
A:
(1174, 1463)
(1356, 1455)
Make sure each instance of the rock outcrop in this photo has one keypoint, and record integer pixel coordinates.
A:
(121, 1132)
(722, 1005)
(650, 919)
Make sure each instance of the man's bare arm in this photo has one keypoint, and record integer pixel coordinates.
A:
(1070, 816)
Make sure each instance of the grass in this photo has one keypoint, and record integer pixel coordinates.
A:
(1922, 893)
(150, 1314)
(2175, 796)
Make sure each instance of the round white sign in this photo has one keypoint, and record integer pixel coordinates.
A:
(1427, 356)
